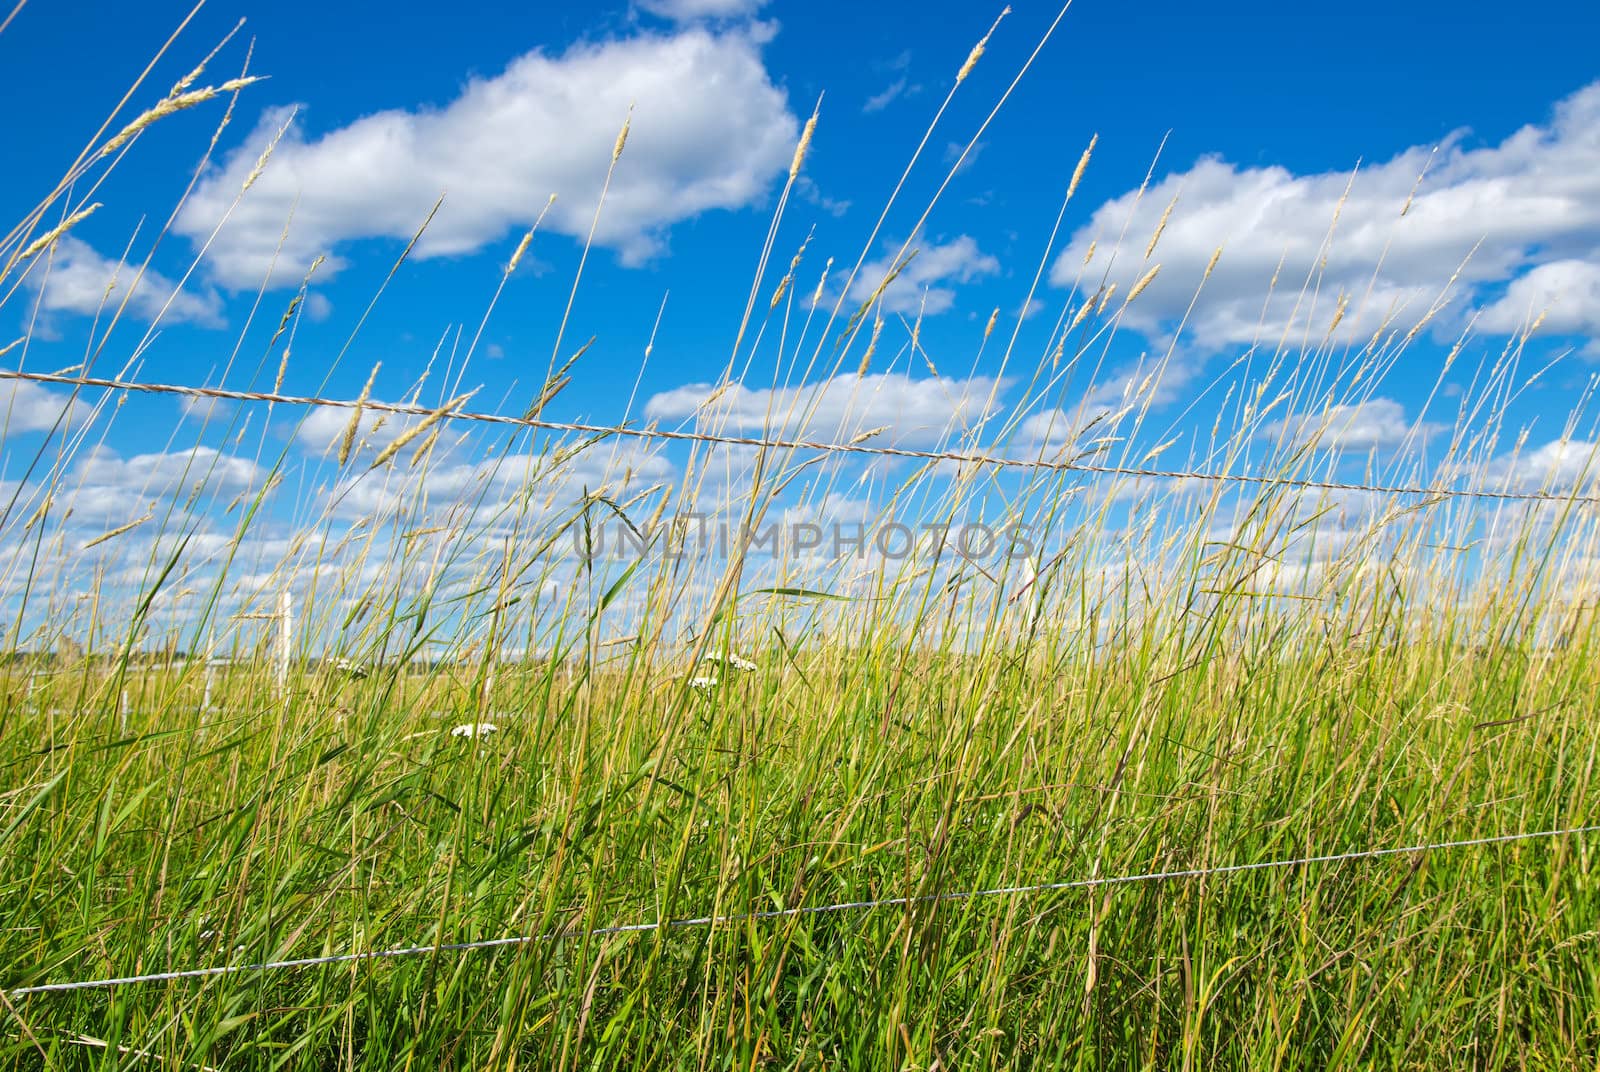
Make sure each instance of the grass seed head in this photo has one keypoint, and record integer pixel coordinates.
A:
(1083, 165)
(622, 137)
(977, 50)
(49, 237)
(348, 440)
(1144, 281)
(802, 147)
(1161, 225)
(168, 106)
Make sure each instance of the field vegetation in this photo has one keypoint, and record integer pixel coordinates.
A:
(782, 808)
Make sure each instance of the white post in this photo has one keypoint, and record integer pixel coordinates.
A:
(211, 653)
(124, 712)
(285, 639)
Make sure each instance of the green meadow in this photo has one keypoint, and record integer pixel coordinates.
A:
(780, 808)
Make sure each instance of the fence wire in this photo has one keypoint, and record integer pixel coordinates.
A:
(785, 913)
(452, 412)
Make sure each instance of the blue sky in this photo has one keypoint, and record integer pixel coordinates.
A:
(1261, 114)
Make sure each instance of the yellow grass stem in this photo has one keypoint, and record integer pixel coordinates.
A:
(433, 418)
(118, 531)
(349, 438)
(49, 237)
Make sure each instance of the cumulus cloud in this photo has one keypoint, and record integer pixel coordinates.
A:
(1566, 293)
(107, 486)
(323, 427)
(1530, 202)
(490, 487)
(32, 407)
(1049, 431)
(1558, 466)
(710, 130)
(225, 472)
(76, 279)
(920, 411)
(1368, 425)
(930, 274)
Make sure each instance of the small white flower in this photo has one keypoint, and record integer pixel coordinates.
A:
(475, 729)
(349, 666)
(735, 661)
(703, 683)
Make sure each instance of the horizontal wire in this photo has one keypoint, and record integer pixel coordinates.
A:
(784, 913)
(1053, 464)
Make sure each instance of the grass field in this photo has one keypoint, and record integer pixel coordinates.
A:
(1184, 675)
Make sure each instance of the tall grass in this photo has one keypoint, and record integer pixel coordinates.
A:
(1180, 675)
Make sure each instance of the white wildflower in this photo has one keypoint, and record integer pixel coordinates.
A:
(703, 683)
(351, 667)
(475, 729)
(735, 661)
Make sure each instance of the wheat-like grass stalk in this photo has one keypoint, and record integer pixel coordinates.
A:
(978, 49)
(171, 105)
(872, 343)
(1083, 166)
(1196, 665)
(1144, 281)
(400, 441)
(118, 531)
(1161, 226)
(348, 440)
(50, 237)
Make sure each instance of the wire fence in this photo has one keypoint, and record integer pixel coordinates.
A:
(789, 913)
(453, 412)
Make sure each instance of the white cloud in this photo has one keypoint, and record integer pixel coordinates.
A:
(324, 426)
(478, 491)
(1532, 200)
(922, 411)
(710, 130)
(318, 307)
(806, 188)
(110, 487)
(1368, 425)
(879, 101)
(1557, 466)
(1049, 431)
(203, 410)
(967, 154)
(689, 10)
(929, 273)
(30, 407)
(1566, 293)
(224, 472)
(76, 279)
